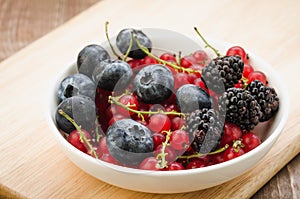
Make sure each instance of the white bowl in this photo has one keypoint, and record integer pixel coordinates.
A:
(183, 180)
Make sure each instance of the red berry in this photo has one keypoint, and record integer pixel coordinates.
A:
(237, 50)
(247, 70)
(239, 84)
(116, 118)
(134, 63)
(177, 123)
(168, 57)
(175, 166)
(201, 57)
(102, 147)
(231, 133)
(179, 140)
(108, 158)
(158, 139)
(129, 101)
(217, 158)
(76, 141)
(148, 60)
(232, 153)
(196, 163)
(180, 79)
(199, 82)
(250, 141)
(171, 153)
(187, 61)
(170, 108)
(159, 123)
(149, 164)
(257, 75)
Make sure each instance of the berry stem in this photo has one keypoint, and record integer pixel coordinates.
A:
(129, 47)
(111, 46)
(197, 155)
(115, 100)
(161, 157)
(83, 138)
(207, 45)
(176, 67)
(98, 135)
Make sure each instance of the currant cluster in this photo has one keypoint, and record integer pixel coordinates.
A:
(166, 111)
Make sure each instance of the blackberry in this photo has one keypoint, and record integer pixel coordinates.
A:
(240, 107)
(205, 128)
(266, 97)
(223, 73)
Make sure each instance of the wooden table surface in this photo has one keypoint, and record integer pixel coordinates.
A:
(269, 28)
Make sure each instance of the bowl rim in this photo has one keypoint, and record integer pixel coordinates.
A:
(284, 103)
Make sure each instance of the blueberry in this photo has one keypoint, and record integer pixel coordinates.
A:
(89, 57)
(154, 84)
(123, 42)
(82, 109)
(129, 141)
(76, 84)
(112, 75)
(191, 97)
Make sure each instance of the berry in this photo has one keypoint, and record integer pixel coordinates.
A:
(180, 79)
(196, 163)
(247, 70)
(232, 153)
(237, 50)
(82, 109)
(266, 97)
(108, 158)
(257, 75)
(158, 139)
(76, 84)
(191, 97)
(149, 164)
(148, 61)
(130, 101)
(159, 123)
(240, 107)
(201, 57)
(177, 123)
(134, 63)
(129, 142)
(123, 42)
(154, 84)
(179, 140)
(250, 141)
(223, 73)
(205, 130)
(112, 75)
(232, 132)
(74, 138)
(171, 154)
(89, 57)
(187, 61)
(174, 166)
(168, 57)
(102, 147)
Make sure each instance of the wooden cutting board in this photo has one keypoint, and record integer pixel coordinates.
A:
(33, 165)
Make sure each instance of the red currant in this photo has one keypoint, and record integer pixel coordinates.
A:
(130, 101)
(108, 158)
(75, 139)
(171, 153)
(149, 164)
(231, 133)
(158, 139)
(201, 57)
(199, 82)
(187, 61)
(102, 147)
(196, 163)
(247, 70)
(179, 140)
(180, 79)
(159, 123)
(250, 141)
(148, 60)
(257, 75)
(232, 153)
(134, 63)
(177, 123)
(237, 50)
(175, 166)
(168, 57)
(115, 118)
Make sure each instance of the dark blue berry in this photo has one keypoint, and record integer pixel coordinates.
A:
(129, 141)
(191, 97)
(89, 57)
(76, 84)
(154, 84)
(112, 75)
(82, 109)
(123, 42)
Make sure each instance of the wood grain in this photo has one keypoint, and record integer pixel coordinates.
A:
(22, 22)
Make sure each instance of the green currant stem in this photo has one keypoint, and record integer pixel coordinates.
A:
(83, 138)
(245, 82)
(206, 43)
(107, 37)
(130, 46)
(179, 57)
(115, 100)
(161, 157)
(98, 135)
(176, 67)
(197, 155)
